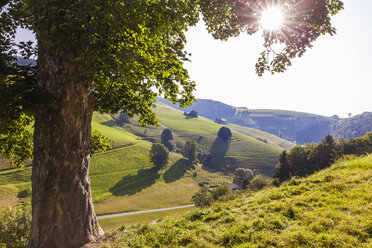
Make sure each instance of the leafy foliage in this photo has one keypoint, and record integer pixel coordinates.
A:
(202, 198)
(222, 192)
(259, 182)
(190, 151)
(167, 139)
(243, 177)
(159, 155)
(224, 133)
(98, 142)
(357, 146)
(305, 22)
(302, 161)
(15, 226)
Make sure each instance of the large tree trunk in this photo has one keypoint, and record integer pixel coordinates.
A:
(62, 208)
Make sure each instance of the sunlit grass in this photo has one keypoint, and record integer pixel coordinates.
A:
(331, 208)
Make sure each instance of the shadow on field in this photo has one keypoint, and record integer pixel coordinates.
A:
(176, 171)
(110, 123)
(129, 185)
(219, 148)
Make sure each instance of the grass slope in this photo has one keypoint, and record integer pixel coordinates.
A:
(244, 150)
(331, 208)
(122, 178)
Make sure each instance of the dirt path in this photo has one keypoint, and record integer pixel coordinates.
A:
(143, 211)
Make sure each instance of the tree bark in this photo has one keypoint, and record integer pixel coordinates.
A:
(62, 208)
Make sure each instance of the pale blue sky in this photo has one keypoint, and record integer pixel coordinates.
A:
(335, 77)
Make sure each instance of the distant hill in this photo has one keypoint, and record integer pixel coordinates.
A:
(294, 126)
(354, 127)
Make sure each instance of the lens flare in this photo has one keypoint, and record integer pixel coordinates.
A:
(272, 19)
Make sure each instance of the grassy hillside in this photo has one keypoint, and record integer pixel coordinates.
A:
(123, 178)
(331, 208)
(244, 150)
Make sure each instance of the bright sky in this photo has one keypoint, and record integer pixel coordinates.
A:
(335, 77)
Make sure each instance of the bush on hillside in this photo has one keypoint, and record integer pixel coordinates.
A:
(222, 193)
(224, 133)
(259, 182)
(159, 155)
(189, 151)
(15, 224)
(243, 177)
(202, 198)
(167, 139)
(302, 161)
(26, 192)
(192, 114)
(358, 146)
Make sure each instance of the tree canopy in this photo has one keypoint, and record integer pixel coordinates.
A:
(159, 155)
(224, 133)
(190, 150)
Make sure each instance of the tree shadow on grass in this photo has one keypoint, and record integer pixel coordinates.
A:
(217, 154)
(219, 148)
(110, 123)
(131, 184)
(176, 171)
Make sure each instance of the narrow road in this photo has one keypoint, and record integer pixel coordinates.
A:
(142, 212)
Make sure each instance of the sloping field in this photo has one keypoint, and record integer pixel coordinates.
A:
(331, 208)
(241, 151)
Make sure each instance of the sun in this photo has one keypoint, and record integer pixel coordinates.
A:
(271, 19)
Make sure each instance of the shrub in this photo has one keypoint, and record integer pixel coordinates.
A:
(224, 133)
(189, 151)
(159, 155)
(167, 139)
(25, 192)
(193, 114)
(15, 224)
(220, 191)
(202, 198)
(259, 182)
(243, 177)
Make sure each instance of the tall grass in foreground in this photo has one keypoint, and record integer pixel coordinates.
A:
(331, 208)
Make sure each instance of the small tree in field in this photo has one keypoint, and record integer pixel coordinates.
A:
(189, 151)
(167, 139)
(159, 155)
(224, 133)
(193, 114)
